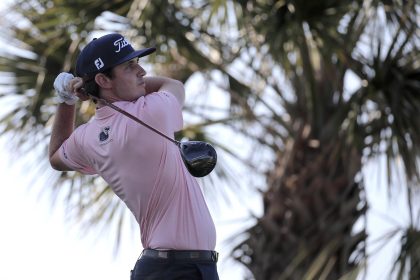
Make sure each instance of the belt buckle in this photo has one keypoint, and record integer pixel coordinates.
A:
(195, 255)
(162, 254)
(214, 256)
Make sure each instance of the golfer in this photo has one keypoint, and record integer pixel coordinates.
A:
(144, 170)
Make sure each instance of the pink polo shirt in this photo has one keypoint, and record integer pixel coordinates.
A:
(146, 171)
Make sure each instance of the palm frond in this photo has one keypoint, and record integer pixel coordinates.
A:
(409, 255)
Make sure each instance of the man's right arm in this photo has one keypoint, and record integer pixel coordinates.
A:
(158, 83)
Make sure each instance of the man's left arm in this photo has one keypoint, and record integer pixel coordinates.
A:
(64, 119)
(62, 129)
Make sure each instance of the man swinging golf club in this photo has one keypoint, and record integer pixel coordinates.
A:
(144, 169)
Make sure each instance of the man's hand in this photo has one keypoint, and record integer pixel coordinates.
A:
(75, 86)
(68, 88)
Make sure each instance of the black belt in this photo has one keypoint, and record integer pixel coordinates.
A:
(194, 255)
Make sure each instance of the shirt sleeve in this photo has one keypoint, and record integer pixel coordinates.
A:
(73, 155)
(164, 111)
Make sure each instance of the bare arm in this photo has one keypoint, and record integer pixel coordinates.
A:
(159, 83)
(63, 127)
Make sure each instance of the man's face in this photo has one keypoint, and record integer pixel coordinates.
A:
(127, 81)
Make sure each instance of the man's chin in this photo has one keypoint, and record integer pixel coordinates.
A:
(142, 92)
(138, 96)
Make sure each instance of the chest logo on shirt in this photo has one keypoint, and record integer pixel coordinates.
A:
(104, 135)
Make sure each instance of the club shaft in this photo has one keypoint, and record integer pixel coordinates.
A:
(134, 118)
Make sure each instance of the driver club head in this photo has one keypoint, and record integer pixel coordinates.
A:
(199, 157)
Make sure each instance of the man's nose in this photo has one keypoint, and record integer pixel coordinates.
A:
(142, 72)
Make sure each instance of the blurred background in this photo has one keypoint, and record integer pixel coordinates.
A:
(312, 107)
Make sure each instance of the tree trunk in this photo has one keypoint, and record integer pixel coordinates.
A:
(311, 205)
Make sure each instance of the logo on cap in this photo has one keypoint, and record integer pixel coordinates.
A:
(99, 63)
(120, 43)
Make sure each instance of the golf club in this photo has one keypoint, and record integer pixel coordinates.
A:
(199, 157)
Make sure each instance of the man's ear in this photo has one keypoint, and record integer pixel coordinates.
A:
(103, 81)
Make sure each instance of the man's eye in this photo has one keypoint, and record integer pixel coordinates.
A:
(132, 64)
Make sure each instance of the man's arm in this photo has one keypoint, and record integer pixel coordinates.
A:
(66, 86)
(158, 83)
(62, 129)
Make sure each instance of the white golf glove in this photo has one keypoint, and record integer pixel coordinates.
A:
(61, 86)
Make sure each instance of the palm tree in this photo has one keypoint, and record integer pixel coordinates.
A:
(285, 66)
(315, 191)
